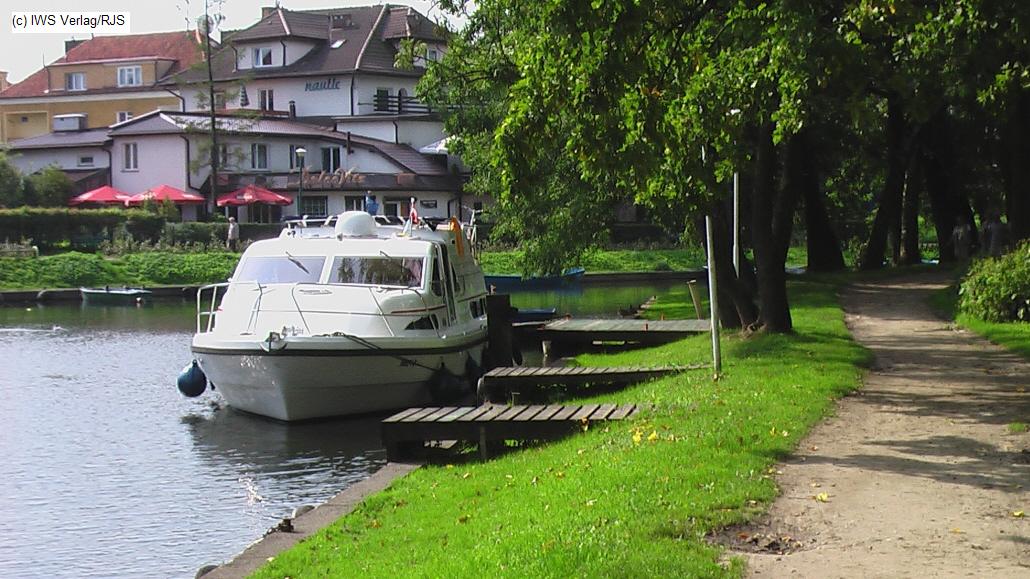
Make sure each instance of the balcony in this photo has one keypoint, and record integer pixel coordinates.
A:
(397, 105)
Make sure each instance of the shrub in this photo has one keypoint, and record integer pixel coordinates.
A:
(997, 289)
(182, 268)
(11, 192)
(194, 232)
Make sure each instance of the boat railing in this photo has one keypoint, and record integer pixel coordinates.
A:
(208, 315)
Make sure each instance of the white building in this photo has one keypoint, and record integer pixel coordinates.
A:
(334, 174)
(321, 81)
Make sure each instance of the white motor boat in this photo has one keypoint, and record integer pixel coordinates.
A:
(344, 316)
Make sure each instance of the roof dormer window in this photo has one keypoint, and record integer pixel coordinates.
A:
(75, 81)
(262, 57)
(130, 75)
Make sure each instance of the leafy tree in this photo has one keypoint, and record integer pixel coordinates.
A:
(50, 187)
(11, 192)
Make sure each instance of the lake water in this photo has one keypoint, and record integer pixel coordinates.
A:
(109, 472)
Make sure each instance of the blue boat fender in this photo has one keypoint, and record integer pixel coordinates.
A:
(192, 382)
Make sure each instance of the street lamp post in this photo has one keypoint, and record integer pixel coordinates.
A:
(301, 151)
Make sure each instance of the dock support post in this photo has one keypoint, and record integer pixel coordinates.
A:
(713, 300)
(501, 345)
(695, 296)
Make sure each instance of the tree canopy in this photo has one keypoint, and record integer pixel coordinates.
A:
(848, 110)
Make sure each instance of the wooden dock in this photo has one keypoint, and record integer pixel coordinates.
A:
(502, 380)
(639, 331)
(406, 432)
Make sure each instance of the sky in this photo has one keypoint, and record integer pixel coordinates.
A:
(24, 53)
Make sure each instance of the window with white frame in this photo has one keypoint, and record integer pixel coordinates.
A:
(122, 116)
(266, 99)
(259, 156)
(295, 160)
(219, 100)
(432, 54)
(354, 203)
(223, 155)
(262, 57)
(130, 154)
(75, 81)
(315, 205)
(85, 161)
(331, 159)
(130, 75)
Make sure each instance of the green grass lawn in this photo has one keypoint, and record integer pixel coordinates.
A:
(632, 498)
(1012, 335)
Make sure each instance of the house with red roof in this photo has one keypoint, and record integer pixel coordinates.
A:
(99, 82)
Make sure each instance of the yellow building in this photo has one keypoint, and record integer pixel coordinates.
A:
(108, 79)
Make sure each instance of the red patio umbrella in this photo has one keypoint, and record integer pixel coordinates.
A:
(105, 194)
(162, 192)
(253, 194)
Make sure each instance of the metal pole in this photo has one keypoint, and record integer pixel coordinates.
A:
(736, 224)
(713, 300)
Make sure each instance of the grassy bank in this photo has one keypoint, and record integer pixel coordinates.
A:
(1012, 335)
(625, 260)
(73, 269)
(634, 498)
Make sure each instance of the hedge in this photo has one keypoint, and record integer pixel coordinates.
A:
(48, 227)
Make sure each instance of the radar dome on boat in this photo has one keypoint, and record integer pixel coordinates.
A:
(355, 224)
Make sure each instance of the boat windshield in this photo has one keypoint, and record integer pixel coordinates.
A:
(383, 271)
(281, 269)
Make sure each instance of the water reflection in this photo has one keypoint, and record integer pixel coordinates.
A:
(253, 445)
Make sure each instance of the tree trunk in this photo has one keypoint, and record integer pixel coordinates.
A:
(1015, 149)
(889, 208)
(736, 301)
(910, 253)
(823, 246)
(949, 207)
(770, 252)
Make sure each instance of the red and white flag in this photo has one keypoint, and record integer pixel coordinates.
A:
(413, 214)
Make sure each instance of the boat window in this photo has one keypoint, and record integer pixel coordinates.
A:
(388, 271)
(281, 269)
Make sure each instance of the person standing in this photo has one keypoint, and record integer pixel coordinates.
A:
(232, 240)
(371, 205)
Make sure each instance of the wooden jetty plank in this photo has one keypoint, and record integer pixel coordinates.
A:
(510, 413)
(585, 411)
(494, 412)
(420, 414)
(602, 412)
(548, 412)
(566, 412)
(458, 413)
(529, 413)
(622, 412)
(477, 412)
(439, 414)
(402, 414)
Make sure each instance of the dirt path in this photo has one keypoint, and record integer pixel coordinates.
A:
(923, 477)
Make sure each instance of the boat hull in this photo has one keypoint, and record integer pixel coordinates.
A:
(295, 384)
(114, 297)
(509, 283)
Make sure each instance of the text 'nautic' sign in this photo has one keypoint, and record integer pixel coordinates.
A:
(325, 84)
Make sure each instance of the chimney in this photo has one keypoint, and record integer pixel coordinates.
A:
(293, 109)
(266, 10)
(3, 81)
(70, 44)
